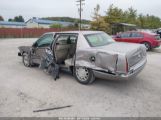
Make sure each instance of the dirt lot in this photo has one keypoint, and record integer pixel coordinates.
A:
(23, 90)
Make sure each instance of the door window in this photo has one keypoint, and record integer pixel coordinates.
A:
(136, 35)
(125, 35)
(45, 40)
(66, 39)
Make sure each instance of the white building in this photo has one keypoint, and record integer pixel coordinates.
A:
(6, 24)
(41, 23)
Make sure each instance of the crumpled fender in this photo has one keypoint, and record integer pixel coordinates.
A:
(26, 49)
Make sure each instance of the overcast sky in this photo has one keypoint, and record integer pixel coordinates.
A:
(45, 8)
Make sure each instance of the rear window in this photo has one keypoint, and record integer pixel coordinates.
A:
(98, 39)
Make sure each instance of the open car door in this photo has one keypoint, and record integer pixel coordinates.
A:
(64, 48)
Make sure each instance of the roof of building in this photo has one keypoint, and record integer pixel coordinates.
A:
(125, 24)
(43, 21)
(12, 23)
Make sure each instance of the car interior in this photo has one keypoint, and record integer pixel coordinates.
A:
(64, 48)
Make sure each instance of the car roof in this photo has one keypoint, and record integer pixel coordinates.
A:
(77, 32)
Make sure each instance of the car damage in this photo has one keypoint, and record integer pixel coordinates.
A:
(87, 54)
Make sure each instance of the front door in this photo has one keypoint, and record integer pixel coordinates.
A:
(136, 37)
(42, 43)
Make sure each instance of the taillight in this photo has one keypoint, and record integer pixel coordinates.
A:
(127, 66)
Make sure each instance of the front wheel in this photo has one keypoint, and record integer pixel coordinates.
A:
(26, 60)
(84, 75)
(147, 45)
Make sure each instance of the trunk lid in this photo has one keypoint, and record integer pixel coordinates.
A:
(133, 52)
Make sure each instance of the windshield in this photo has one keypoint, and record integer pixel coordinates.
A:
(98, 39)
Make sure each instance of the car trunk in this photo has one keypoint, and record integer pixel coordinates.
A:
(133, 52)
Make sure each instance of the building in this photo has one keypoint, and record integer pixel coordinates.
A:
(122, 27)
(6, 24)
(41, 23)
(38, 23)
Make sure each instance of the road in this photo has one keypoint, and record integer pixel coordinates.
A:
(23, 90)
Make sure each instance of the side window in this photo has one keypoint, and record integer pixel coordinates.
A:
(45, 40)
(66, 39)
(63, 39)
(73, 39)
(136, 35)
(125, 35)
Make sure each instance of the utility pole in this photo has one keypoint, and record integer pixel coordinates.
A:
(80, 3)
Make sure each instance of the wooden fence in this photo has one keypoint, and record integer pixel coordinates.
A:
(26, 32)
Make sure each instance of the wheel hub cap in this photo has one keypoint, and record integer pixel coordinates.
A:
(82, 73)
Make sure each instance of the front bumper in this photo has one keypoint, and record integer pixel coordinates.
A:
(134, 71)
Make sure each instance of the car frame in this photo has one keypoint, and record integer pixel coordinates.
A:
(82, 54)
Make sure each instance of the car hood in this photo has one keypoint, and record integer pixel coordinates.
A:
(24, 48)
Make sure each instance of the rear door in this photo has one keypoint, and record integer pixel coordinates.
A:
(136, 37)
(125, 37)
(64, 46)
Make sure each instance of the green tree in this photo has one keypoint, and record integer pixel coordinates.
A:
(10, 20)
(114, 15)
(131, 15)
(17, 19)
(117, 15)
(1, 18)
(56, 26)
(98, 22)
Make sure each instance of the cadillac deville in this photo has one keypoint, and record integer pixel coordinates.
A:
(88, 55)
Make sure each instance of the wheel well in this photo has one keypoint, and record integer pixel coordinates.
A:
(146, 42)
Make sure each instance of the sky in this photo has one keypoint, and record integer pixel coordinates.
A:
(68, 8)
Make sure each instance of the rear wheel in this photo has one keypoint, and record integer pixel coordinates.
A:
(147, 45)
(26, 60)
(84, 75)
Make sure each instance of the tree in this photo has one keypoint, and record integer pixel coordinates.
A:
(10, 20)
(1, 18)
(56, 26)
(17, 19)
(114, 14)
(117, 15)
(131, 15)
(98, 22)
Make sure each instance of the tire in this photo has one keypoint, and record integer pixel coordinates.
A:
(84, 75)
(26, 60)
(147, 45)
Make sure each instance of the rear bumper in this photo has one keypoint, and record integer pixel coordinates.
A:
(132, 74)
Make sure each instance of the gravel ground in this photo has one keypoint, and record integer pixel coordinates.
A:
(23, 90)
